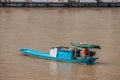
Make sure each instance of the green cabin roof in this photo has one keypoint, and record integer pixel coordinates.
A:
(85, 45)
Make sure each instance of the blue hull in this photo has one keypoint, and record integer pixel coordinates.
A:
(45, 55)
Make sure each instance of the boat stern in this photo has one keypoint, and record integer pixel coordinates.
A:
(91, 61)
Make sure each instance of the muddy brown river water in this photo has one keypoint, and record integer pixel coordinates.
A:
(42, 28)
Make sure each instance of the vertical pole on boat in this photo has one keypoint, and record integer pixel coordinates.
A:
(75, 51)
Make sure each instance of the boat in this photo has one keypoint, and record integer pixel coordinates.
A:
(66, 54)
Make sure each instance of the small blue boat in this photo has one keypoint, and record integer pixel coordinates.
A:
(66, 54)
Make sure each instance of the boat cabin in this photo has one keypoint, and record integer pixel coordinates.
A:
(65, 52)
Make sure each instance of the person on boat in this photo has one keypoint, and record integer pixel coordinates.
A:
(86, 51)
(91, 54)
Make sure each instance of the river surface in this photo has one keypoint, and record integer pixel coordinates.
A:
(42, 28)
